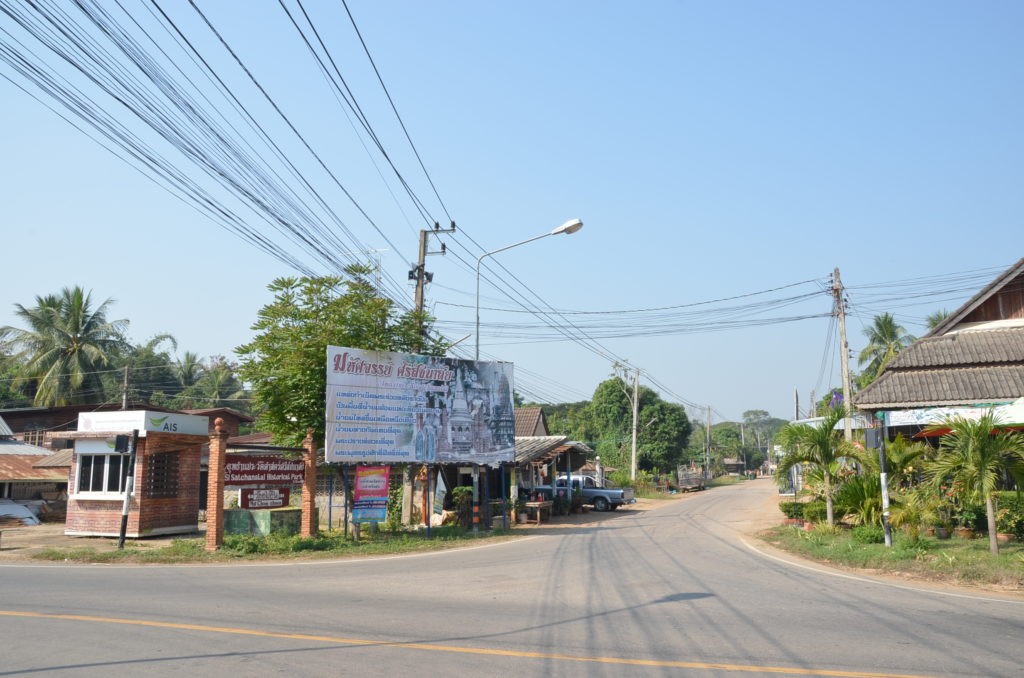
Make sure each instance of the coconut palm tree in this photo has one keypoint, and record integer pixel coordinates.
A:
(934, 319)
(886, 338)
(818, 447)
(975, 453)
(188, 370)
(66, 343)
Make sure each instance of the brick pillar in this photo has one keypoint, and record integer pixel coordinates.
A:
(309, 526)
(215, 486)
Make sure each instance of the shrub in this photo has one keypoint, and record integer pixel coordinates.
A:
(815, 511)
(792, 509)
(868, 534)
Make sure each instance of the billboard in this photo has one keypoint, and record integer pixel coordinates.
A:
(401, 407)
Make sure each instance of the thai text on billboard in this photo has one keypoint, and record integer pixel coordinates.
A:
(248, 469)
(385, 407)
(370, 494)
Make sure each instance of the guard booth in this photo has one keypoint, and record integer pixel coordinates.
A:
(165, 499)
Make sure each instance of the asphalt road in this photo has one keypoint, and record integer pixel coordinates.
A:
(668, 592)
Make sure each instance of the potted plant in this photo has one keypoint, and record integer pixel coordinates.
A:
(1008, 524)
(519, 509)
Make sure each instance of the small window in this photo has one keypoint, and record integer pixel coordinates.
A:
(102, 473)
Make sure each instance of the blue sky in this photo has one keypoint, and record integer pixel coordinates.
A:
(712, 149)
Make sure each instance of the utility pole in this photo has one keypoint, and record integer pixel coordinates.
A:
(636, 414)
(844, 352)
(422, 277)
(796, 403)
(124, 390)
(420, 273)
(707, 447)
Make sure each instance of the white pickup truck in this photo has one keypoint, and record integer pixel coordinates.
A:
(601, 498)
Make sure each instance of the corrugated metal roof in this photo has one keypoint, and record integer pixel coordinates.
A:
(250, 439)
(18, 447)
(5, 430)
(529, 448)
(978, 347)
(60, 459)
(21, 467)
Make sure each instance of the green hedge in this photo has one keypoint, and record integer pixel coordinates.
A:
(815, 511)
(792, 509)
(868, 534)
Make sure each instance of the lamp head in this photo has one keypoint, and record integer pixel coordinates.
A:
(568, 227)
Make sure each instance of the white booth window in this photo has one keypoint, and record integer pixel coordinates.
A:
(102, 473)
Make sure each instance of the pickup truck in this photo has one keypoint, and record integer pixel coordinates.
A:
(689, 480)
(601, 498)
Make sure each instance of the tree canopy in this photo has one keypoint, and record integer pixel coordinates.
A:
(286, 361)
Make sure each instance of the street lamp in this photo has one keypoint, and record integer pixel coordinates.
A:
(568, 228)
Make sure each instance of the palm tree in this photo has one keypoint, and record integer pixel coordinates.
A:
(65, 346)
(886, 339)
(188, 370)
(934, 319)
(975, 453)
(816, 446)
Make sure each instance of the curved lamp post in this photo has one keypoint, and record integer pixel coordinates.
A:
(568, 228)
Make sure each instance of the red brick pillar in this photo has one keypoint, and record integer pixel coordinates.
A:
(309, 521)
(215, 486)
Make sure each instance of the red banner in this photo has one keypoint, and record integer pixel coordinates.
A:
(371, 494)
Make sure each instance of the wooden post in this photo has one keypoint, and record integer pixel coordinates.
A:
(215, 486)
(309, 526)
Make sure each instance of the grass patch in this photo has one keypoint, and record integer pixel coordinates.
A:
(278, 547)
(956, 561)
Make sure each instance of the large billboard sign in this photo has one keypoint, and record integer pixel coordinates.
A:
(401, 407)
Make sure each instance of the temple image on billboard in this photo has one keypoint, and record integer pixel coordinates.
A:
(476, 418)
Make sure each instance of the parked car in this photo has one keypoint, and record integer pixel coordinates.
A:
(601, 498)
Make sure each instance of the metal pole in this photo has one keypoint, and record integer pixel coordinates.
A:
(344, 491)
(330, 501)
(430, 500)
(504, 500)
(884, 478)
(129, 486)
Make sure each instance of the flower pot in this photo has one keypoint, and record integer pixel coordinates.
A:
(942, 532)
(808, 526)
(796, 522)
(1004, 537)
(929, 531)
(965, 533)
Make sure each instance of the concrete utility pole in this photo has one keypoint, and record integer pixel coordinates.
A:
(844, 350)
(707, 447)
(796, 404)
(420, 274)
(124, 390)
(636, 414)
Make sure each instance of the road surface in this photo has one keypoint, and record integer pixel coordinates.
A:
(674, 591)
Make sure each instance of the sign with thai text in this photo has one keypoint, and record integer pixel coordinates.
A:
(267, 498)
(371, 494)
(246, 469)
(404, 407)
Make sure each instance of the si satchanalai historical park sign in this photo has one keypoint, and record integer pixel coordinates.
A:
(403, 407)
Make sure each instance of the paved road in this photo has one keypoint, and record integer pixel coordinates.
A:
(669, 592)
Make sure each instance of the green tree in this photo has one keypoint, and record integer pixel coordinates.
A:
(149, 367)
(662, 441)
(188, 370)
(66, 345)
(975, 453)
(934, 319)
(286, 362)
(818, 447)
(886, 338)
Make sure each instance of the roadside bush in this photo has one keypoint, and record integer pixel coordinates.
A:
(815, 512)
(1010, 514)
(792, 509)
(868, 534)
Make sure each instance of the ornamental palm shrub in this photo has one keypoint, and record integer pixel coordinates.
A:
(860, 499)
(817, 447)
(975, 454)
